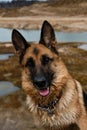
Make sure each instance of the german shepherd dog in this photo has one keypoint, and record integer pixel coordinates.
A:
(53, 96)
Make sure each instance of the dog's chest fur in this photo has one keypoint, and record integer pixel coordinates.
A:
(64, 112)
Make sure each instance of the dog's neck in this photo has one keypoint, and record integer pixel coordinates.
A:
(50, 107)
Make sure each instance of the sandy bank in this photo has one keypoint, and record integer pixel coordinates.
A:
(35, 22)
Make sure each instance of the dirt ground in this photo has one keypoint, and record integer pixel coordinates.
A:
(64, 17)
(13, 113)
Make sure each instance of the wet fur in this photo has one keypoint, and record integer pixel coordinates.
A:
(70, 111)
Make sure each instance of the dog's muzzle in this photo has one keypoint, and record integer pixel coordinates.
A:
(40, 82)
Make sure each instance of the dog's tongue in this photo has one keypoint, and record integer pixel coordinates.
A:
(44, 92)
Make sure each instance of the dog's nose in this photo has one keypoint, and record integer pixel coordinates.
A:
(40, 82)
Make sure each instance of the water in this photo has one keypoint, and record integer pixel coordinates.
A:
(5, 56)
(30, 35)
(34, 35)
(7, 88)
(84, 47)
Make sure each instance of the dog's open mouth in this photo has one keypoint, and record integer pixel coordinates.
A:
(44, 92)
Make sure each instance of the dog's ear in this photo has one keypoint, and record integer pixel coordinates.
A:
(19, 42)
(47, 35)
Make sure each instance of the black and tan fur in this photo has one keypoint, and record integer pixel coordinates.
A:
(43, 72)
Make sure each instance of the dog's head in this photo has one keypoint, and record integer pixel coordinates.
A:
(40, 62)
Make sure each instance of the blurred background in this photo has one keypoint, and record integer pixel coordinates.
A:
(69, 19)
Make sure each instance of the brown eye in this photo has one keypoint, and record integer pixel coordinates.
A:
(46, 60)
(30, 62)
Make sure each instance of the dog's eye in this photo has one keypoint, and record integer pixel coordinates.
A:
(30, 62)
(46, 59)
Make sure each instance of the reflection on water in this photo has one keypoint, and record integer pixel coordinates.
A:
(7, 88)
(5, 56)
(34, 35)
(84, 47)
